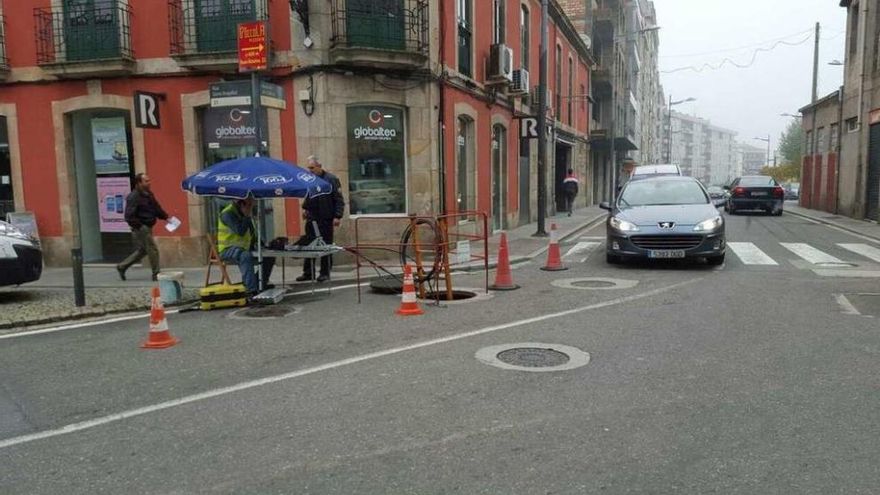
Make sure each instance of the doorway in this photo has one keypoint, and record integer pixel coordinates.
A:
(499, 161)
(525, 176)
(7, 197)
(872, 199)
(563, 163)
(103, 167)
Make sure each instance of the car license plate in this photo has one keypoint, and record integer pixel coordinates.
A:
(666, 254)
(759, 193)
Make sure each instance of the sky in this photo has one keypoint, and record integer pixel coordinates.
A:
(750, 100)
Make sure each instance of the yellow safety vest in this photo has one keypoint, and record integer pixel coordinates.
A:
(226, 237)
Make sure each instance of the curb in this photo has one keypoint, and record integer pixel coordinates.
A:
(833, 224)
(576, 231)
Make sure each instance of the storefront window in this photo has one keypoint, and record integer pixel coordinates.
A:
(464, 162)
(376, 160)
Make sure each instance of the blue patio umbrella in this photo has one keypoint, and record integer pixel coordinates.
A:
(257, 176)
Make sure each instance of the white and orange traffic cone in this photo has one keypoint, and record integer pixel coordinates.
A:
(409, 305)
(554, 256)
(503, 276)
(159, 336)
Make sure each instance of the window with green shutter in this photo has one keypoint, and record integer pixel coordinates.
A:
(91, 29)
(217, 22)
(375, 24)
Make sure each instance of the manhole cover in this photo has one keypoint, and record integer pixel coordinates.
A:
(533, 357)
(594, 283)
(272, 311)
(842, 264)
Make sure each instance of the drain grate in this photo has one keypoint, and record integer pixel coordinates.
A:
(533, 357)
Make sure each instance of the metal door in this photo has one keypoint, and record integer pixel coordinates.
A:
(873, 185)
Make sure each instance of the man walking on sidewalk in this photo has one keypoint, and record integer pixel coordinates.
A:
(570, 188)
(326, 210)
(141, 211)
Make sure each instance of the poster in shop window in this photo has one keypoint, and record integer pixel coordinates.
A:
(110, 145)
(376, 160)
(112, 193)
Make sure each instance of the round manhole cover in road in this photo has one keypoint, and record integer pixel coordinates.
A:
(265, 312)
(533, 356)
(595, 283)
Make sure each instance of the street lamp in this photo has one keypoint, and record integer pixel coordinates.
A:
(836, 63)
(790, 115)
(669, 124)
(767, 139)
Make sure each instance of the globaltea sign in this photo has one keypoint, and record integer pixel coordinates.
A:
(375, 130)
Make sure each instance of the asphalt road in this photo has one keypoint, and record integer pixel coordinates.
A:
(745, 378)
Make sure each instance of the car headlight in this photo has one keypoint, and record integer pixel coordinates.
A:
(623, 225)
(709, 225)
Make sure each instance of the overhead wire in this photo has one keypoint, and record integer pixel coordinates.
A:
(727, 50)
(728, 61)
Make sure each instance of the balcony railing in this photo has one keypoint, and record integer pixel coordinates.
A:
(4, 62)
(82, 33)
(387, 25)
(206, 27)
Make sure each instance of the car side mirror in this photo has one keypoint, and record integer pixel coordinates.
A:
(605, 205)
(726, 188)
(719, 202)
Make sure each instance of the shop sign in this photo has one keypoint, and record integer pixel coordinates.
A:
(146, 110)
(110, 146)
(253, 46)
(376, 160)
(112, 195)
(238, 93)
(230, 126)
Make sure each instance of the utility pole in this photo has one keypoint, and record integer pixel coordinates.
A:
(816, 65)
(669, 131)
(542, 123)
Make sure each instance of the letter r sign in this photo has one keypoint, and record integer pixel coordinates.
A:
(146, 109)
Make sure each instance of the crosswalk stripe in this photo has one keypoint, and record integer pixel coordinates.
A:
(865, 250)
(580, 247)
(809, 253)
(750, 254)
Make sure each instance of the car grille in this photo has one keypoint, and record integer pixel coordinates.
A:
(666, 241)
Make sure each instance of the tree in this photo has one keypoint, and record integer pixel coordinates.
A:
(791, 143)
(790, 172)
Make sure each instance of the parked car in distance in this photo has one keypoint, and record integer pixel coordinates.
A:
(755, 192)
(655, 170)
(375, 196)
(792, 190)
(21, 258)
(664, 218)
(716, 192)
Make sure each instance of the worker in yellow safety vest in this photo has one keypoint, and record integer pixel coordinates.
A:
(236, 239)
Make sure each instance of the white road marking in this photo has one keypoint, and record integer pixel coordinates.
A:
(809, 253)
(750, 254)
(846, 307)
(111, 418)
(591, 238)
(865, 250)
(581, 247)
(846, 273)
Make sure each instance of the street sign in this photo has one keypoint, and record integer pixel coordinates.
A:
(238, 93)
(146, 110)
(528, 128)
(253, 46)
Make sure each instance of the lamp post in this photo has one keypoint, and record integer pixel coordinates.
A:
(767, 139)
(669, 125)
(542, 121)
(615, 40)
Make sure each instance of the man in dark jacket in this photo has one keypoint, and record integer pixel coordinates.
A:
(326, 210)
(141, 211)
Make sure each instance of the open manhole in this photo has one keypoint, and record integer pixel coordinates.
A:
(532, 356)
(457, 295)
(269, 311)
(594, 283)
(462, 295)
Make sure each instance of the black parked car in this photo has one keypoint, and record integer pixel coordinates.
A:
(755, 192)
(664, 218)
(21, 259)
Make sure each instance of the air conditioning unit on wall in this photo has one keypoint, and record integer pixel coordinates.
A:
(500, 68)
(520, 83)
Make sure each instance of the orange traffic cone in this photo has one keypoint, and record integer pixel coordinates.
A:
(503, 277)
(554, 257)
(159, 336)
(409, 306)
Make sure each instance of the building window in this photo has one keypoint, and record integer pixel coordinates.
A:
(558, 61)
(499, 18)
(852, 125)
(217, 21)
(525, 37)
(465, 34)
(378, 24)
(570, 91)
(821, 143)
(808, 143)
(835, 136)
(376, 159)
(465, 172)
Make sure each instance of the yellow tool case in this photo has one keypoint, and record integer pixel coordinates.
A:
(222, 296)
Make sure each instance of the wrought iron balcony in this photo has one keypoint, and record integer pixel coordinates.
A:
(204, 32)
(86, 39)
(389, 33)
(4, 62)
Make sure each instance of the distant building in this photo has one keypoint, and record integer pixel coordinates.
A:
(704, 151)
(750, 159)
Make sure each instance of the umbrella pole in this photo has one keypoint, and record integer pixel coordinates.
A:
(260, 245)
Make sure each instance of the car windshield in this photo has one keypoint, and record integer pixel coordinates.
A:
(663, 192)
(757, 182)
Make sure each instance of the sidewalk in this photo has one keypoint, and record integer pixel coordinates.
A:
(51, 298)
(865, 228)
